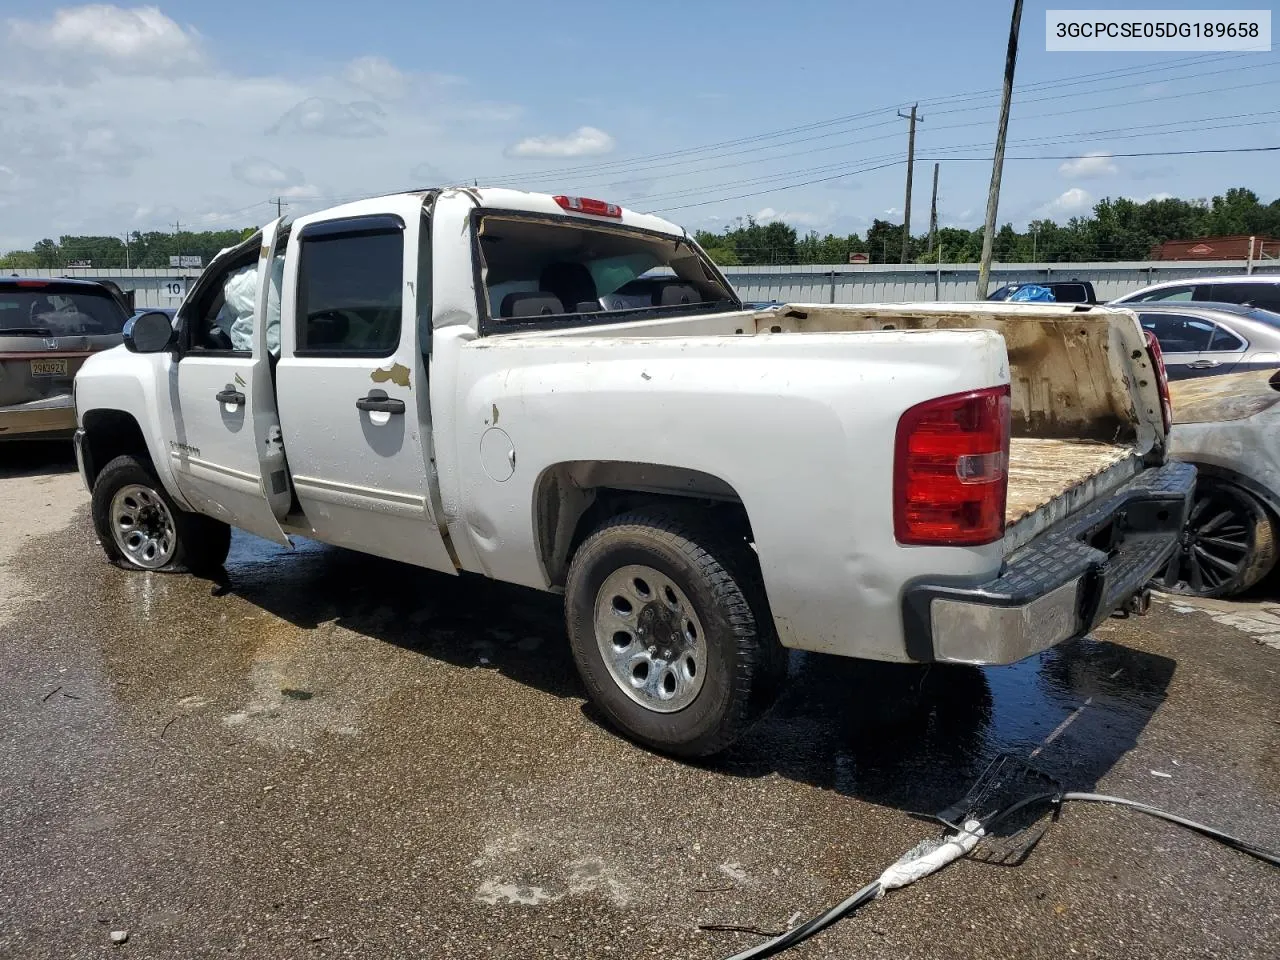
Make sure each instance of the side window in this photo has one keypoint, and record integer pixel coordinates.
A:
(1168, 294)
(1178, 334)
(350, 288)
(1223, 292)
(221, 320)
(1224, 339)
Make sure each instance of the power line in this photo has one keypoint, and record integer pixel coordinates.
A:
(1129, 132)
(776, 134)
(859, 140)
(894, 163)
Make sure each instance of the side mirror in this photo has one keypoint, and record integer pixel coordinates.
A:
(148, 332)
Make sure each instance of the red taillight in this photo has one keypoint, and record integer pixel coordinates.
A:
(596, 208)
(950, 470)
(31, 283)
(1162, 379)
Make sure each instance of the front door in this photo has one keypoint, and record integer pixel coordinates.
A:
(352, 384)
(228, 458)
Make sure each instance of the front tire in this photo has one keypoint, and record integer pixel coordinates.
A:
(1227, 544)
(141, 528)
(671, 632)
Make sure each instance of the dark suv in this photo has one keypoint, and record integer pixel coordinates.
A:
(47, 329)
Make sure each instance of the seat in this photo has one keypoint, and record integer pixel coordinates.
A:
(530, 305)
(677, 293)
(569, 282)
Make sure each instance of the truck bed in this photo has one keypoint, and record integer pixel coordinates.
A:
(1048, 477)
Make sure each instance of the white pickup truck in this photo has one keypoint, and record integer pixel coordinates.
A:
(560, 393)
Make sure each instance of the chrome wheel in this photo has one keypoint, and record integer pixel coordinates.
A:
(650, 638)
(143, 527)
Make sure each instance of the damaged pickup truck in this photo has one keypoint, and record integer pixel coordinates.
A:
(560, 393)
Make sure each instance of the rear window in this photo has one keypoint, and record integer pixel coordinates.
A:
(53, 312)
(1070, 292)
(563, 273)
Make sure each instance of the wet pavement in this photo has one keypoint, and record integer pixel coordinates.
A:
(335, 755)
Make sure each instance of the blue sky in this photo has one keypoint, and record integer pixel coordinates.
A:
(120, 117)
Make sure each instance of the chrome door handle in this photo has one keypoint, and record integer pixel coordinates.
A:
(230, 396)
(1202, 364)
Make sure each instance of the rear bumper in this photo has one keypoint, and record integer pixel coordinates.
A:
(50, 417)
(1060, 585)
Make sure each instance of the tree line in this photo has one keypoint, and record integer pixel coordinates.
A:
(149, 249)
(1117, 229)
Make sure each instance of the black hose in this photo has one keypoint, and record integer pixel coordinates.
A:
(810, 927)
(1235, 843)
(868, 893)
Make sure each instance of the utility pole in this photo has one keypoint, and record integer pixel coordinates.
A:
(177, 236)
(126, 249)
(933, 213)
(279, 207)
(997, 163)
(911, 165)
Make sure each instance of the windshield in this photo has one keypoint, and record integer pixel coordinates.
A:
(51, 312)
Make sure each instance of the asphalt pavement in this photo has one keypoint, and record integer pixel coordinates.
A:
(332, 755)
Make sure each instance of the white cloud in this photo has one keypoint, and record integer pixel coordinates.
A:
(322, 116)
(138, 39)
(1092, 165)
(261, 172)
(378, 77)
(1069, 203)
(794, 218)
(583, 142)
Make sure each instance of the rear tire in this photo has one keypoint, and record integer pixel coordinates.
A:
(1227, 545)
(141, 528)
(671, 632)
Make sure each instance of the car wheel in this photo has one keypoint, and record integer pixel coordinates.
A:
(671, 632)
(141, 528)
(1227, 544)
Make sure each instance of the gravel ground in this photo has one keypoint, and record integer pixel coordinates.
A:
(340, 756)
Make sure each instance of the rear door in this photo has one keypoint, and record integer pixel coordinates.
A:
(227, 454)
(1225, 351)
(352, 382)
(1183, 340)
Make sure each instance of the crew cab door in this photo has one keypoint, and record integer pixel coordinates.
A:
(352, 381)
(227, 455)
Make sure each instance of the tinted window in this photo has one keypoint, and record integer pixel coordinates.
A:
(350, 293)
(1178, 334)
(1224, 339)
(1169, 293)
(50, 312)
(1265, 295)
(1070, 293)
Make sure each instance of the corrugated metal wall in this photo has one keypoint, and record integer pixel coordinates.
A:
(840, 283)
(154, 287)
(871, 283)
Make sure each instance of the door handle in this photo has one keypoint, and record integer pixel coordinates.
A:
(1202, 364)
(380, 404)
(229, 396)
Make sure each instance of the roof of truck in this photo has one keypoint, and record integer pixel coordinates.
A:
(521, 201)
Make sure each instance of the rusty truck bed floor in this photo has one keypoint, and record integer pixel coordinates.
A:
(1042, 470)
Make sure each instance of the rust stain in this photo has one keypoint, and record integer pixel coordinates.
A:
(398, 374)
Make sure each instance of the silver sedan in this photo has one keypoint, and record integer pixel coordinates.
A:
(1209, 339)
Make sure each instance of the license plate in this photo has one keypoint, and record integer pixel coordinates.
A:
(48, 368)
